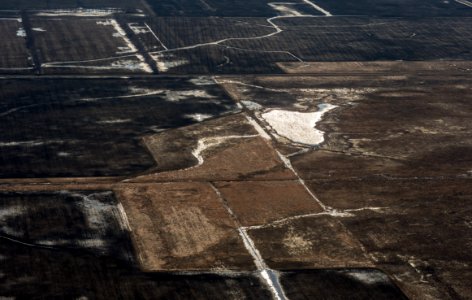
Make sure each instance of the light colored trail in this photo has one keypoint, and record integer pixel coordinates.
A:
(276, 31)
(54, 63)
(25, 244)
(321, 10)
(20, 108)
(464, 2)
(345, 213)
(11, 19)
(210, 142)
(155, 35)
(264, 51)
(270, 277)
(247, 84)
(16, 69)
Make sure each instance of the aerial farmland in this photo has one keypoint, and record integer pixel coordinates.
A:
(182, 149)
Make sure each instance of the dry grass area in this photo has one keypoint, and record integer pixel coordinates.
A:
(261, 202)
(175, 226)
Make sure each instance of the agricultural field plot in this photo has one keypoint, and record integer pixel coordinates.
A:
(402, 8)
(195, 230)
(390, 161)
(227, 8)
(93, 127)
(297, 39)
(84, 44)
(15, 56)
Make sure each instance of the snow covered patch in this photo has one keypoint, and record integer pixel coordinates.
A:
(133, 65)
(299, 127)
(32, 143)
(198, 117)
(120, 33)
(38, 29)
(284, 9)
(175, 96)
(114, 121)
(98, 211)
(166, 62)
(252, 105)
(210, 142)
(7, 213)
(369, 277)
(202, 80)
(21, 32)
(138, 29)
(99, 244)
(80, 12)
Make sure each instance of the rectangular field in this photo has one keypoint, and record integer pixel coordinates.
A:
(85, 45)
(79, 39)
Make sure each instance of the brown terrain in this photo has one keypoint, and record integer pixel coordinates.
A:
(388, 188)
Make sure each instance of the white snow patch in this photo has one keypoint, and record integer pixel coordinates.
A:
(133, 64)
(252, 105)
(21, 32)
(369, 277)
(175, 96)
(285, 9)
(209, 142)
(9, 212)
(299, 127)
(198, 117)
(39, 29)
(166, 62)
(32, 143)
(114, 121)
(138, 29)
(318, 8)
(86, 243)
(98, 213)
(202, 80)
(465, 2)
(80, 12)
(120, 33)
